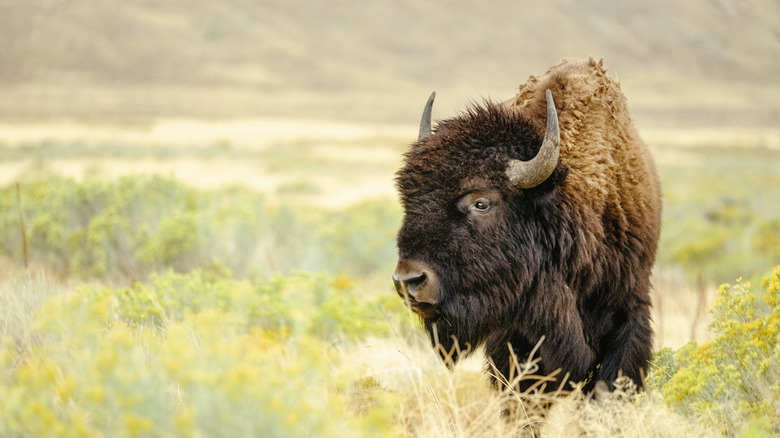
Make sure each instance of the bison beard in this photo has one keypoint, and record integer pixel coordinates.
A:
(513, 232)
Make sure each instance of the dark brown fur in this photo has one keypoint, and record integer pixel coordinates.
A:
(570, 259)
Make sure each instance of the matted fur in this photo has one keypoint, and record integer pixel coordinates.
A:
(568, 260)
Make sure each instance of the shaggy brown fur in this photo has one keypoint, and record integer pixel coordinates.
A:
(568, 260)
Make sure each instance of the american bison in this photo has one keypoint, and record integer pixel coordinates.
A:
(534, 218)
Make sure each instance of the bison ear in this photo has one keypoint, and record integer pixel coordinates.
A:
(425, 121)
(559, 175)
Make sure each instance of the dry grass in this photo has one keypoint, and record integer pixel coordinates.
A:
(679, 311)
(618, 414)
(461, 403)
(20, 298)
(347, 162)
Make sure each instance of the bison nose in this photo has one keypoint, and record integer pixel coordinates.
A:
(416, 280)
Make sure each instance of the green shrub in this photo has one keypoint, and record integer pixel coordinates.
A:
(735, 378)
(299, 303)
(721, 217)
(124, 230)
(195, 354)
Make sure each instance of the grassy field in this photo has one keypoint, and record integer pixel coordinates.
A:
(235, 281)
(197, 214)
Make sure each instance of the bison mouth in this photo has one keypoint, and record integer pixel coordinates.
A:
(427, 311)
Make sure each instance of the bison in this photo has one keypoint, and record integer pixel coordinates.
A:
(536, 218)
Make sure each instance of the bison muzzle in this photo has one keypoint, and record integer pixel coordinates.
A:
(536, 218)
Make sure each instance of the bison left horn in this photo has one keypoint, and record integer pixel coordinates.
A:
(425, 121)
(529, 174)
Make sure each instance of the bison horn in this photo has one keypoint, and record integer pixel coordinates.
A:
(529, 174)
(425, 122)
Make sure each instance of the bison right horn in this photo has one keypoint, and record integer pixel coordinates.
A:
(425, 122)
(529, 174)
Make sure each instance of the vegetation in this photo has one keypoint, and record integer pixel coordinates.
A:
(124, 230)
(152, 308)
(721, 215)
(733, 381)
(204, 354)
(721, 222)
(187, 355)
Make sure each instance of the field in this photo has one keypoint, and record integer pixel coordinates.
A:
(233, 279)
(197, 215)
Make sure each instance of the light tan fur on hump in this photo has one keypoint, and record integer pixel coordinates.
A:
(598, 141)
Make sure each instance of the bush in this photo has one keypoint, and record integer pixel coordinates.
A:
(124, 230)
(297, 304)
(721, 217)
(733, 380)
(193, 354)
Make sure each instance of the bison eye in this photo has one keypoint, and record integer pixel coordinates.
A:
(479, 201)
(481, 205)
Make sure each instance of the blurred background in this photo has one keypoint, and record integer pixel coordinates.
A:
(299, 112)
(701, 63)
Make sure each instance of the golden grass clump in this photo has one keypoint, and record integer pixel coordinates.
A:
(434, 401)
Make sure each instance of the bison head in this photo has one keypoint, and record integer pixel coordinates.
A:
(473, 192)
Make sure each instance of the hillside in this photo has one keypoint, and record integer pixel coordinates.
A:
(702, 62)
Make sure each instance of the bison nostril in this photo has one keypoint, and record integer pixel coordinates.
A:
(416, 281)
(408, 282)
(413, 281)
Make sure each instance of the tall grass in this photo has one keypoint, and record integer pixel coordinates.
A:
(20, 299)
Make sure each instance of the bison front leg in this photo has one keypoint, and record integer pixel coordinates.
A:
(628, 347)
(565, 350)
(562, 350)
(507, 354)
(513, 362)
(558, 320)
